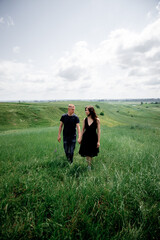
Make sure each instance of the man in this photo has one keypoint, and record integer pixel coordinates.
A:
(70, 121)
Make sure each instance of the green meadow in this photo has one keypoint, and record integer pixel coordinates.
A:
(42, 196)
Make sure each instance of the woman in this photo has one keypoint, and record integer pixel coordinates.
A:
(90, 141)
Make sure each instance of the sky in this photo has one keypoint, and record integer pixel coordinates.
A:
(79, 49)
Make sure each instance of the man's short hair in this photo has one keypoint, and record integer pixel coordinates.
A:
(71, 106)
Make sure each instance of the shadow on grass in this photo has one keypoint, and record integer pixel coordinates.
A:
(76, 170)
(56, 167)
(60, 162)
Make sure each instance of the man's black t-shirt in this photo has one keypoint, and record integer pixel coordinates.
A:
(69, 131)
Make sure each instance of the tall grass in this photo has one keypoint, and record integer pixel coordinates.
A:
(43, 197)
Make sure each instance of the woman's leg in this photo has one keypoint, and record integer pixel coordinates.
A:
(89, 160)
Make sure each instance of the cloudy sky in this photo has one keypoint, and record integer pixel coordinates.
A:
(79, 49)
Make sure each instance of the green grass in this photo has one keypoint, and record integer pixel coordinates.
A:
(31, 115)
(43, 197)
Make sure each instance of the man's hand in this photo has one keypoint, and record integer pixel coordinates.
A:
(59, 139)
(79, 133)
(59, 133)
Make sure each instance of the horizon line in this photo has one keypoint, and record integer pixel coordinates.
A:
(96, 99)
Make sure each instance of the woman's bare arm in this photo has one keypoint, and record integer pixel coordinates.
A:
(98, 132)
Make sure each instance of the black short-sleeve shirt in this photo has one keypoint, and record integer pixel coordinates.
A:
(69, 130)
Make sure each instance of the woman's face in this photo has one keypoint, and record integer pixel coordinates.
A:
(87, 111)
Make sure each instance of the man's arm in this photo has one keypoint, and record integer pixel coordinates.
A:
(59, 132)
(79, 133)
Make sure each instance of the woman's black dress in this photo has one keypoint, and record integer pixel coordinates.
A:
(89, 140)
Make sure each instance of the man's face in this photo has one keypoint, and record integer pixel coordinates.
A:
(71, 110)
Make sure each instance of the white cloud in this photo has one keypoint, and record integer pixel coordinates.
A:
(7, 21)
(16, 49)
(149, 15)
(22, 80)
(123, 57)
(1, 20)
(143, 55)
(153, 82)
(72, 73)
(10, 21)
(158, 7)
(126, 64)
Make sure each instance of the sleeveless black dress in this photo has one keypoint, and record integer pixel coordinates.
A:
(89, 140)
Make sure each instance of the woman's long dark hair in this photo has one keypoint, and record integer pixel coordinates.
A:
(92, 112)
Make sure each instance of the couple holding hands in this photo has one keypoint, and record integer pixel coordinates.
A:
(89, 139)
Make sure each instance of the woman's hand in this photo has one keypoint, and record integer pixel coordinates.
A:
(98, 144)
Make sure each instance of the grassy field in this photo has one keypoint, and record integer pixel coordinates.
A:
(43, 197)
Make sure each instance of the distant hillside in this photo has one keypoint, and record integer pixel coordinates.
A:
(26, 115)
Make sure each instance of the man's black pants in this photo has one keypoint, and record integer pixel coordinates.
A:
(69, 146)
